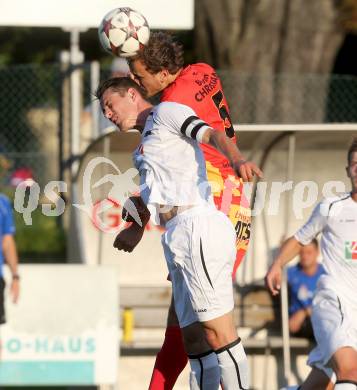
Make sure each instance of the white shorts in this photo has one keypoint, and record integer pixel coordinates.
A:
(334, 323)
(199, 247)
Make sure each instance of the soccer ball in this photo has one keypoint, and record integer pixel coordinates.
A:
(123, 32)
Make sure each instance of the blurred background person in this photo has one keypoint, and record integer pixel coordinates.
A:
(302, 282)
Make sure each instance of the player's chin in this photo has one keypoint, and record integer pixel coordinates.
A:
(125, 126)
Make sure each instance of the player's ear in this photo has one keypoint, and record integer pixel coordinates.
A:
(164, 74)
(132, 93)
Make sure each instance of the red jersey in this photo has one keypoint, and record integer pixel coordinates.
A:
(199, 87)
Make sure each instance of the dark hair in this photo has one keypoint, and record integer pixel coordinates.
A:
(118, 84)
(161, 52)
(351, 150)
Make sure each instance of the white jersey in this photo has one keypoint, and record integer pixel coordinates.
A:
(336, 219)
(170, 162)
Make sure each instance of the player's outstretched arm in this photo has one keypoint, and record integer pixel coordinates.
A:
(243, 168)
(130, 237)
(290, 248)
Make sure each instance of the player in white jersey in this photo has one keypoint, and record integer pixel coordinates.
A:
(199, 241)
(334, 310)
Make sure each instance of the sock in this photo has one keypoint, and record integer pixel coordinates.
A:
(170, 361)
(345, 385)
(205, 372)
(234, 366)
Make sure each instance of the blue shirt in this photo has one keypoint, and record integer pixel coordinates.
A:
(7, 225)
(302, 287)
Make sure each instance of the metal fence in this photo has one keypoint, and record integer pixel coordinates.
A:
(34, 114)
(284, 98)
(29, 119)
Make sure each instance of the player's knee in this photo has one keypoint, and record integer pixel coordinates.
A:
(345, 364)
(220, 331)
(217, 338)
(347, 373)
(213, 338)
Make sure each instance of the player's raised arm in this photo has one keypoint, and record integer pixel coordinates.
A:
(183, 120)
(243, 168)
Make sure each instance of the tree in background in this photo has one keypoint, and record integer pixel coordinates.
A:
(268, 35)
(280, 40)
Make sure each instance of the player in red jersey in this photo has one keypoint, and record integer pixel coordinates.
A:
(199, 87)
(159, 67)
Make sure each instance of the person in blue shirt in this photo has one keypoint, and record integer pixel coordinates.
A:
(302, 282)
(8, 253)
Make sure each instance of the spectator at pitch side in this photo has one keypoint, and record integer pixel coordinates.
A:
(302, 282)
